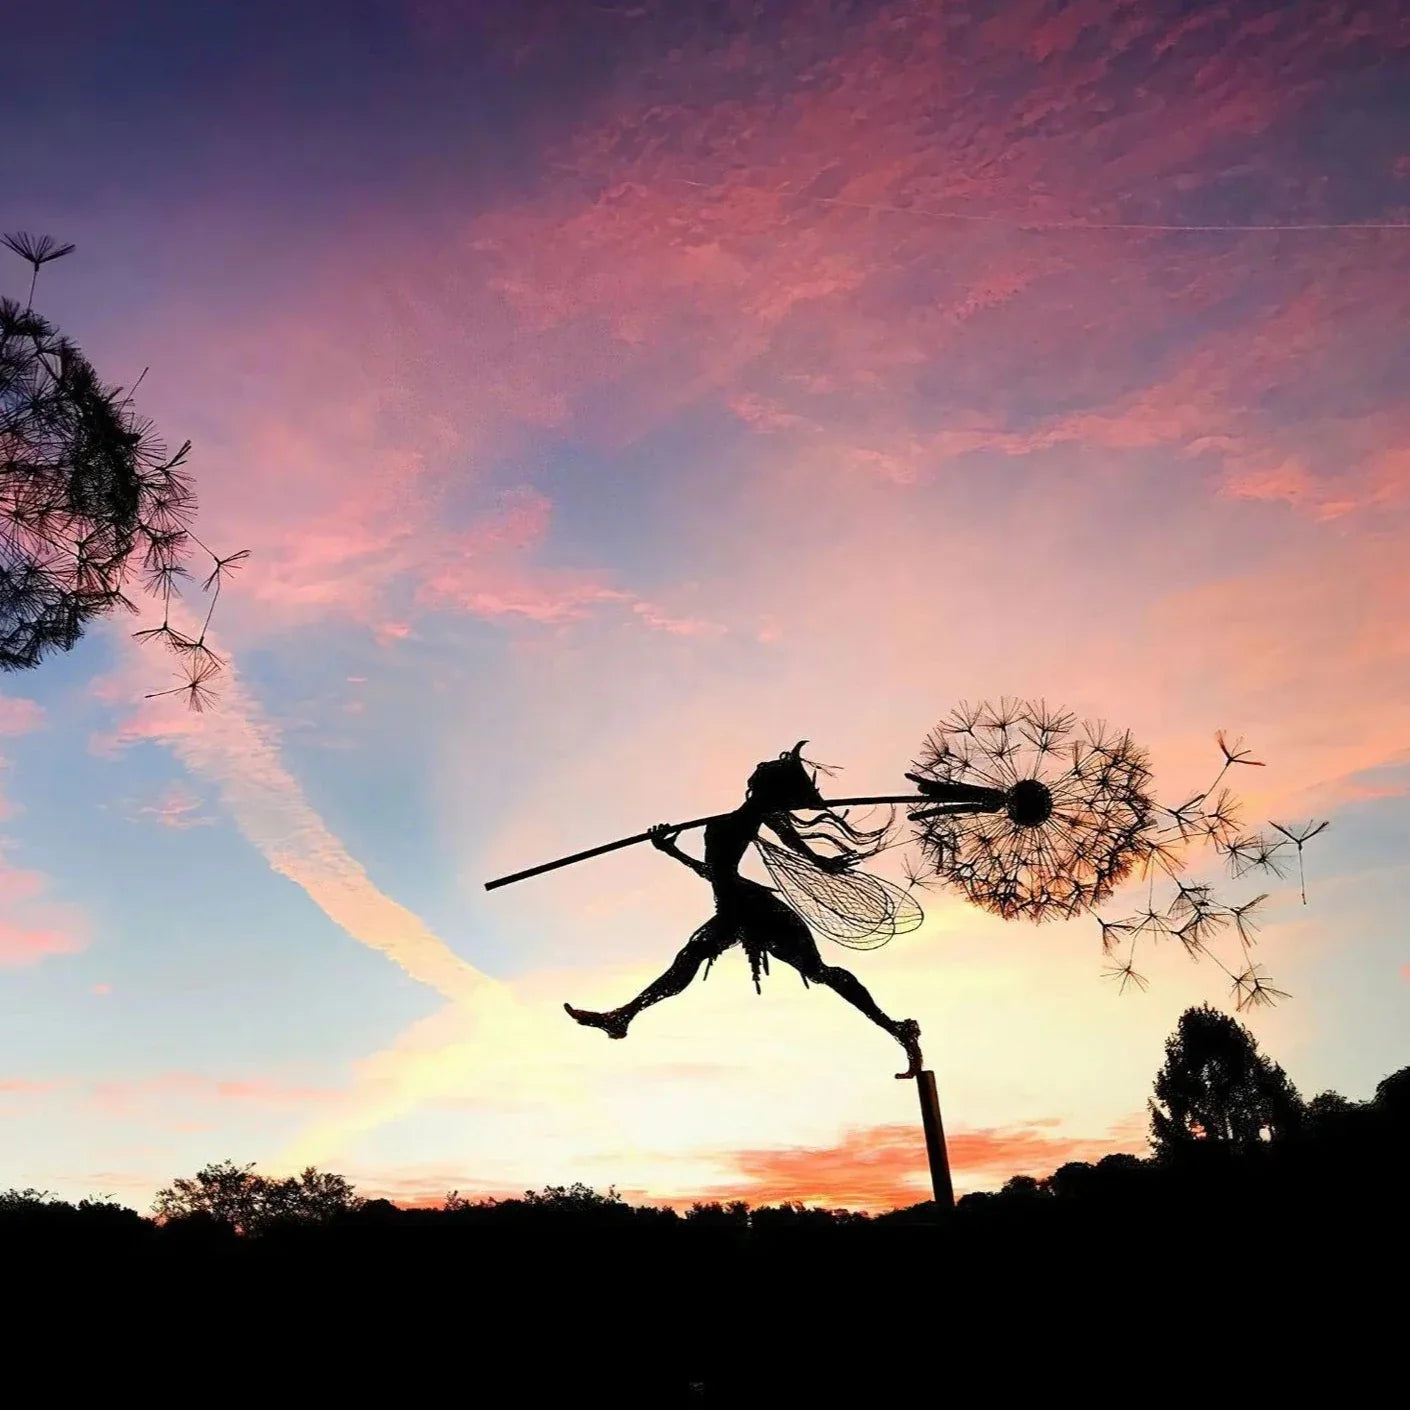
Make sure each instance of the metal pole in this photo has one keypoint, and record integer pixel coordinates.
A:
(935, 1143)
(951, 797)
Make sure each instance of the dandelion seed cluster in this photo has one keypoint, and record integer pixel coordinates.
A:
(1079, 818)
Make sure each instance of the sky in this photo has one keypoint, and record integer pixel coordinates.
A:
(611, 395)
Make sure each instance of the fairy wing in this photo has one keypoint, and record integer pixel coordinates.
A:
(854, 908)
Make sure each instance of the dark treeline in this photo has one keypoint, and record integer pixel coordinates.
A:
(1264, 1237)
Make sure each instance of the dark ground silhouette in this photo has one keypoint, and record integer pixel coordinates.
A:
(1231, 1264)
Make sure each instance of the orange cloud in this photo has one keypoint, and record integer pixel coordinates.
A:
(884, 1167)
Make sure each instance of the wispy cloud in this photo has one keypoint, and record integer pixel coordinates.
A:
(236, 750)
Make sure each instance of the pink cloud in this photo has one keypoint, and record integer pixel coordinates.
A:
(385, 633)
(32, 926)
(262, 1092)
(19, 716)
(768, 249)
(123, 1098)
(28, 944)
(177, 807)
(12, 1086)
(339, 483)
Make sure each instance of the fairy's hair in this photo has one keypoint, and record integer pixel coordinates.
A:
(797, 778)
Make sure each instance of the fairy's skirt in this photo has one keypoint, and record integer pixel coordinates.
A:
(757, 918)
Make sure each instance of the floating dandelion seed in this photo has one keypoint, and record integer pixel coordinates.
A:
(1161, 854)
(1252, 990)
(1219, 820)
(1196, 931)
(36, 251)
(1076, 817)
(916, 877)
(1125, 976)
(1235, 753)
(1152, 922)
(1187, 818)
(185, 646)
(196, 686)
(1270, 858)
(1254, 853)
(1192, 900)
(164, 634)
(224, 567)
(1246, 919)
(1299, 836)
(1114, 932)
(87, 494)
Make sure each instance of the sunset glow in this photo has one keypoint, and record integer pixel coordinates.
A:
(610, 400)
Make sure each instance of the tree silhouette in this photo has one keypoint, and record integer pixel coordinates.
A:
(89, 498)
(1393, 1095)
(1216, 1087)
(235, 1197)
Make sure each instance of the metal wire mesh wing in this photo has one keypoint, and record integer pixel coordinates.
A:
(854, 908)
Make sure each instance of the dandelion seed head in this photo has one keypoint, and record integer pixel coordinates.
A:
(1077, 817)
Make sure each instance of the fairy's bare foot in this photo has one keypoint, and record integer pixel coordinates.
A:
(612, 1023)
(908, 1035)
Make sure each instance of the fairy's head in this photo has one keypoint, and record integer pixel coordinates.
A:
(785, 784)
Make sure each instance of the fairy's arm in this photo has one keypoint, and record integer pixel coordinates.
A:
(663, 839)
(782, 824)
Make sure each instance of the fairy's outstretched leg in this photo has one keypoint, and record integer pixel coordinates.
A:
(704, 945)
(796, 946)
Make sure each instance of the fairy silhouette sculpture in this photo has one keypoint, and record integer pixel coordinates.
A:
(825, 888)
